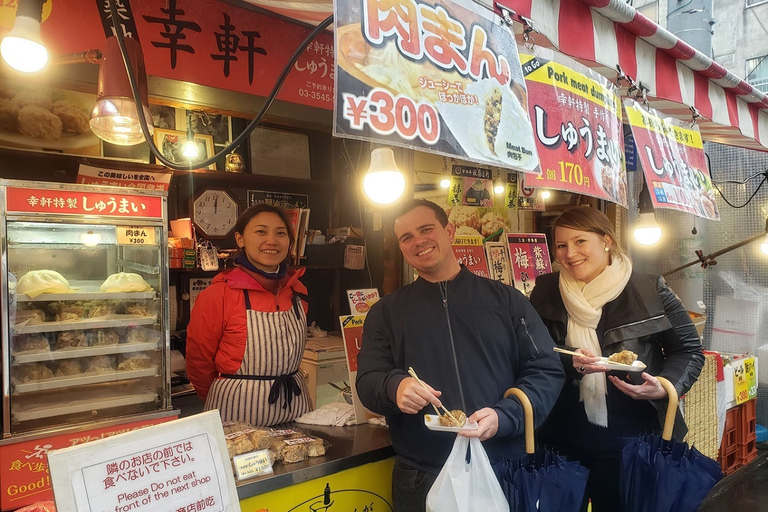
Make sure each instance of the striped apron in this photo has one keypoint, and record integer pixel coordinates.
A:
(267, 388)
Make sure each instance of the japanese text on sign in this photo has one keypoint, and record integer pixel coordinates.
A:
(28, 200)
(135, 235)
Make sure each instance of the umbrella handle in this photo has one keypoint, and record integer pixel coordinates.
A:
(528, 410)
(669, 421)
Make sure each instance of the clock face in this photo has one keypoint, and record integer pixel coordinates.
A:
(214, 213)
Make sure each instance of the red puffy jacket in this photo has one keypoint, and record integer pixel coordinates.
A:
(217, 330)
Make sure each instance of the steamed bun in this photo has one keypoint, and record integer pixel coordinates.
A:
(37, 282)
(125, 282)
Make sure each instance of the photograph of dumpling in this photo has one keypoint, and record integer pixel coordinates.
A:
(42, 117)
(506, 136)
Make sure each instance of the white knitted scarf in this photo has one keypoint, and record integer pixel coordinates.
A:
(584, 303)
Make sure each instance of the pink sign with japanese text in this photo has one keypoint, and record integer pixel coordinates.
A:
(68, 202)
(576, 116)
(675, 166)
(529, 258)
(469, 252)
(442, 77)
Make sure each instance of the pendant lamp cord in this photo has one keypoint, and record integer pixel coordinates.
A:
(248, 129)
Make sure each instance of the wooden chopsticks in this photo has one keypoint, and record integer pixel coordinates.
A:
(572, 353)
(413, 374)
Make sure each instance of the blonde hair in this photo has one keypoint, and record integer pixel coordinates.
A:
(592, 220)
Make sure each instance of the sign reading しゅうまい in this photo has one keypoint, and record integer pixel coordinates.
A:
(442, 77)
(69, 202)
(675, 166)
(576, 116)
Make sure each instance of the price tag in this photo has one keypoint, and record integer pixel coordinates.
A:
(135, 235)
(744, 380)
(252, 464)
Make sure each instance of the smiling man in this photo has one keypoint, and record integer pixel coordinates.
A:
(468, 338)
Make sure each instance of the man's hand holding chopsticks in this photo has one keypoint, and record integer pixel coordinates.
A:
(412, 397)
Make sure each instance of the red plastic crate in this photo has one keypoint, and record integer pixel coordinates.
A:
(728, 456)
(729, 462)
(746, 421)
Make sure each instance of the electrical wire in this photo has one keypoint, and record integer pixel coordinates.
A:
(248, 129)
(764, 174)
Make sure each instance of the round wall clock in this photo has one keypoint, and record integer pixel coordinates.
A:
(214, 213)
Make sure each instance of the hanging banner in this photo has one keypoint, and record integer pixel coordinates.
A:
(576, 117)
(471, 186)
(440, 77)
(469, 252)
(529, 258)
(671, 153)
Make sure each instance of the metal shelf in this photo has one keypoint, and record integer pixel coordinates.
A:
(86, 323)
(70, 353)
(81, 379)
(86, 295)
(83, 406)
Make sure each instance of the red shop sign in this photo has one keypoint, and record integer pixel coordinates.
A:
(68, 202)
(24, 467)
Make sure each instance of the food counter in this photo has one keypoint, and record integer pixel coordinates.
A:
(356, 469)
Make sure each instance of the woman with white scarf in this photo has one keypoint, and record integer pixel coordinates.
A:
(597, 305)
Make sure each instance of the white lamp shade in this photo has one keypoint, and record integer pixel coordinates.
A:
(23, 48)
(116, 120)
(647, 231)
(384, 183)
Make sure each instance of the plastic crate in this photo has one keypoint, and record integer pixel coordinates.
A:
(747, 422)
(728, 456)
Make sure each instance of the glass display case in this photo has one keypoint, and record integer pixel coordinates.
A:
(84, 305)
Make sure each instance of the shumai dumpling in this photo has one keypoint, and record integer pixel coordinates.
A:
(124, 282)
(37, 282)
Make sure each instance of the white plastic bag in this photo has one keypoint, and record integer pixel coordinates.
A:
(466, 487)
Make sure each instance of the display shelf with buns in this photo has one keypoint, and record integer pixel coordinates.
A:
(85, 335)
(85, 323)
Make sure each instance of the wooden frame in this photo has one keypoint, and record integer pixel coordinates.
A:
(170, 144)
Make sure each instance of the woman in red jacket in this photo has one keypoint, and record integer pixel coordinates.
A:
(248, 329)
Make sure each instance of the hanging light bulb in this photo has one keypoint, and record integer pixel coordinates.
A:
(764, 245)
(445, 183)
(22, 48)
(498, 188)
(546, 194)
(647, 231)
(190, 146)
(115, 118)
(384, 183)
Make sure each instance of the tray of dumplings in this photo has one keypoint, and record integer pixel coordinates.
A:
(283, 445)
(36, 347)
(40, 376)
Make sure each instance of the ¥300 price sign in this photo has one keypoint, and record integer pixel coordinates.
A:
(135, 235)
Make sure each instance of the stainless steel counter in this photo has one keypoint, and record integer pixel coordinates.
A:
(349, 447)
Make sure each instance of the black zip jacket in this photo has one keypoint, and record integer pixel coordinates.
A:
(472, 339)
(647, 318)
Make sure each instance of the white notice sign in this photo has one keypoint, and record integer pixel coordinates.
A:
(180, 465)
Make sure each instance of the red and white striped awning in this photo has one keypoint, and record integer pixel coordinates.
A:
(604, 34)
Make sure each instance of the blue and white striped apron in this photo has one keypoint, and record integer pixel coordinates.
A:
(267, 389)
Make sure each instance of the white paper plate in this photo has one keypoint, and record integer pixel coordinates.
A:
(636, 366)
(432, 423)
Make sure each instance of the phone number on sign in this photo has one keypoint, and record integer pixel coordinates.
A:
(314, 95)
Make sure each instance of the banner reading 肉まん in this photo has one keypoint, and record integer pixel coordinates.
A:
(442, 77)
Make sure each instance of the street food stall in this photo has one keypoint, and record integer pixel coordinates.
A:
(518, 113)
